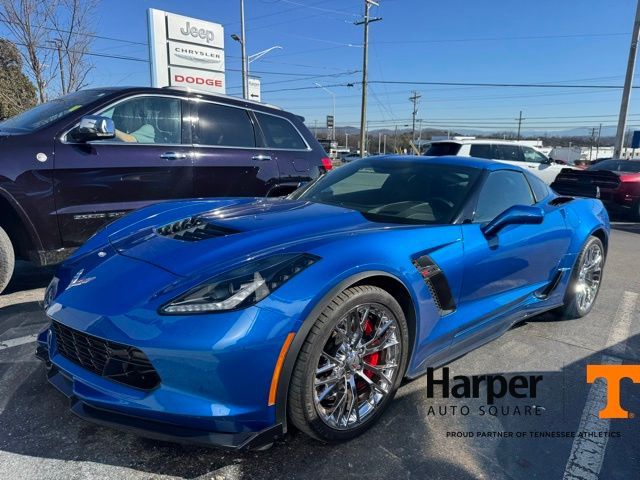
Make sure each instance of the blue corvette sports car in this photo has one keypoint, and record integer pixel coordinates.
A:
(224, 321)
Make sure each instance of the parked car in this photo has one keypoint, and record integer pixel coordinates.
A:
(500, 150)
(219, 321)
(72, 165)
(350, 157)
(615, 182)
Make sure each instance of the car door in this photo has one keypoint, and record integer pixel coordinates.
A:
(540, 165)
(502, 271)
(296, 159)
(230, 159)
(149, 161)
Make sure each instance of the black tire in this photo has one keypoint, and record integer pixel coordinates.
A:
(301, 407)
(7, 259)
(635, 212)
(572, 308)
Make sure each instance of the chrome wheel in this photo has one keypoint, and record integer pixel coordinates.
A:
(589, 276)
(358, 366)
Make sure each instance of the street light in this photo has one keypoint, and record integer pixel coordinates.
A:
(333, 96)
(243, 43)
(247, 60)
(256, 56)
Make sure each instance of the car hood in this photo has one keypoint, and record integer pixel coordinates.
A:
(234, 231)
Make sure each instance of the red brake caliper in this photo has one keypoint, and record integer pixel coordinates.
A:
(371, 359)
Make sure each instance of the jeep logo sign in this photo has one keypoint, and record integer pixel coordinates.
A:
(186, 52)
(191, 30)
(194, 32)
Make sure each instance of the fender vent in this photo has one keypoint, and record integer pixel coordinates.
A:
(437, 283)
(193, 229)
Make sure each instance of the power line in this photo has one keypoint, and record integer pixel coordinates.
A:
(84, 34)
(487, 39)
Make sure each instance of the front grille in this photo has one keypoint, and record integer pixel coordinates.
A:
(117, 362)
(193, 229)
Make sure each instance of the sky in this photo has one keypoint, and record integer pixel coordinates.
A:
(561, 41)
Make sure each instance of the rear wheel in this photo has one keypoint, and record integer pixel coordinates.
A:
(350, 365)
(635, 212)
(585, 280)
(7, 260)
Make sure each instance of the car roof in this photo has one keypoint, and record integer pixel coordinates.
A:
(198, 93)
(484, 141)
(473, 162)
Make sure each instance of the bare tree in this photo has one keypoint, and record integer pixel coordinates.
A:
(72, 25)
(54, 38)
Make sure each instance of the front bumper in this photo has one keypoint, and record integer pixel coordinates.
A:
(83, 404)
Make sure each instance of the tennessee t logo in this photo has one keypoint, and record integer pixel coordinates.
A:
(613, 374)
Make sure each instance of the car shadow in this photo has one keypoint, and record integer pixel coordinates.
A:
(407, 441)
(27, 276)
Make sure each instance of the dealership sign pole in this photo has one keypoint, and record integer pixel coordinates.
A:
(186, 52)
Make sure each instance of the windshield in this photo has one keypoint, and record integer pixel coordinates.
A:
(396, 191)
(617, 166)
(441, 149)
(46, 113)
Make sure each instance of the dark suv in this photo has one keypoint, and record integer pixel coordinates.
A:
(69, 166)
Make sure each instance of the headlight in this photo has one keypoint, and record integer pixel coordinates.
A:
(242, 286)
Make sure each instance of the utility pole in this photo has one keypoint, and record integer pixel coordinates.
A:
(346, 139)
(363, 109)
(628, 81)
(384, 145)
(414, 98)
(245, 76)
(379, 141)
(598, 141)
(57, 43)
(520, 122)
(593, 140)
(395, 140)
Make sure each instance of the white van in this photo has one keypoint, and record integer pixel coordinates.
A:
(501, 151)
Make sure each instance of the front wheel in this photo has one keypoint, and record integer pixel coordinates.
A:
(350, 365)
(585, 280)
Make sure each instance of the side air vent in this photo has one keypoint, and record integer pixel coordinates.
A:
(193, 229)
(437, 283)
(560, 201)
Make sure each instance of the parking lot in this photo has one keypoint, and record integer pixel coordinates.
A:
(42, 439)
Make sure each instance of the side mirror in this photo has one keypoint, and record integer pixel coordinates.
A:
(548, 161)
(94, 127)
(516, 215)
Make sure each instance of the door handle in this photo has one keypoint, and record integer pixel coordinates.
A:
(261, 157)
(173, 156)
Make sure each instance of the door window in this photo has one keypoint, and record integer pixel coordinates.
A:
(540, 189)
(510, 153)
(440, 149)
(280, 133)
(221, 125)
(154, 120)
(482, 150)
(501, 190)
(530, 155)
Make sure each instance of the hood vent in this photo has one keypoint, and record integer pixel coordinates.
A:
(193, 229)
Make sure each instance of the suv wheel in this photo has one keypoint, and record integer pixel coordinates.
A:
(350, 365)
(7, 259)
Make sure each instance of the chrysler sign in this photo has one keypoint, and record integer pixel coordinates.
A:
(195, 56)
(186, 51)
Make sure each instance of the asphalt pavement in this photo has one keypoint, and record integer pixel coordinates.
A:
(418, 437)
